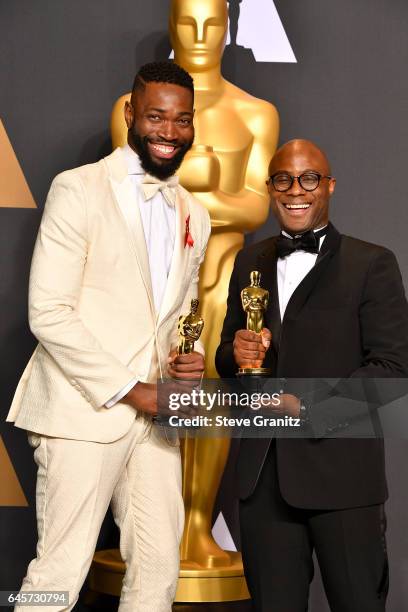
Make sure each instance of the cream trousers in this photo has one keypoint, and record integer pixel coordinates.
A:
(140, 474)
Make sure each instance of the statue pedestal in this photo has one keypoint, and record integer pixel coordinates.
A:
(196, 584)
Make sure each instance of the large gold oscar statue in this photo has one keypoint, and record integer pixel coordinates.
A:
(236, 136)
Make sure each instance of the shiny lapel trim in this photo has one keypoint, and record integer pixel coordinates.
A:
(267, 266)
(179, 259)
(124, 197)
(302, 292)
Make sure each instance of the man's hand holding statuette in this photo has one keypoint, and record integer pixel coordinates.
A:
(250, 348)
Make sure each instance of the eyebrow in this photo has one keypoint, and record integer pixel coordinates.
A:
(302, 172)
(162, 110)
(209, 20)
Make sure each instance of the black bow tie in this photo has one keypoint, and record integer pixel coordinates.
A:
(309, 242)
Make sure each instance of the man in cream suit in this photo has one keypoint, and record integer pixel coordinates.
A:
(115, 264)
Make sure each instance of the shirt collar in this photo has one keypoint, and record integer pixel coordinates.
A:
(132, 160)
(315, 230)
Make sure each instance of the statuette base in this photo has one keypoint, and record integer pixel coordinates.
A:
(254, 372)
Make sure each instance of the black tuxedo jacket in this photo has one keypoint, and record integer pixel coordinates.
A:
(347, 318)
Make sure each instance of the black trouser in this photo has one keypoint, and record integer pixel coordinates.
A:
(278, 541)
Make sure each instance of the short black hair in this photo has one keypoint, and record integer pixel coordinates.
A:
(163, 72)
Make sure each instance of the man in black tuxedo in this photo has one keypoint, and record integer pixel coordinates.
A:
(337, 309)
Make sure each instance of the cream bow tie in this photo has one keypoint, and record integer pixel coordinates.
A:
(151, 185)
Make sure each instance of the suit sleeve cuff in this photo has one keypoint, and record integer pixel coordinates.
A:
(118, 396)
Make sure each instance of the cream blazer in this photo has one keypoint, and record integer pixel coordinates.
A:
(91, 304)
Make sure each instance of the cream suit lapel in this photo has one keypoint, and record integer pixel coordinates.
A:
(179, 260)
(124, 195)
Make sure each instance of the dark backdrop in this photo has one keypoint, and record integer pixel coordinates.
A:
(62, 66)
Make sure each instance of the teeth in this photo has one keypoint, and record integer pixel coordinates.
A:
(296, 206)
(163, 148)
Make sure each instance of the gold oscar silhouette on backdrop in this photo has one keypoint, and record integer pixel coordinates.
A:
(236, 136)
(11, 493)
(14, 189)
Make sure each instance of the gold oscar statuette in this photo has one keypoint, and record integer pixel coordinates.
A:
(254, 302)
(189, 329)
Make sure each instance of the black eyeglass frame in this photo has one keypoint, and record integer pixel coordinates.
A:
(299, 179)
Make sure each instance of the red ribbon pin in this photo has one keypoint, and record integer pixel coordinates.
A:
(188, 239)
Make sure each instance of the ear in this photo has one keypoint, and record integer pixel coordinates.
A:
(129, 114)
(332, 185)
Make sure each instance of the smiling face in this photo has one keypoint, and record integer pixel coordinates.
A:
(159, 118)
(298, 210)
(198, 31)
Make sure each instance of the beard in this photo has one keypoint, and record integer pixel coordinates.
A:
(168, 167)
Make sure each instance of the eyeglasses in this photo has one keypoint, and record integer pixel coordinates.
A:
(309, 181)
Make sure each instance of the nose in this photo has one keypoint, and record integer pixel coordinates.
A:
(296, 188)
(200, 30)
(168, 130)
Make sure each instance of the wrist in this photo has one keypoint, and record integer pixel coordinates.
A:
(132, 391)
(136, 395)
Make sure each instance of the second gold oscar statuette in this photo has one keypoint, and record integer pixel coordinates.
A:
(254, 302)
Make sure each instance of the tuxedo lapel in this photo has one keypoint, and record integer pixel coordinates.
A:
(124, 197)
(266, 264)
(180, 257)
(302, 292)
(331, 243)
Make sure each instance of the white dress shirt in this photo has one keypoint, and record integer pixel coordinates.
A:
(159, 226)
(291, 270)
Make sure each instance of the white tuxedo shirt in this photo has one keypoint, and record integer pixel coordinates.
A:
(159, 228)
